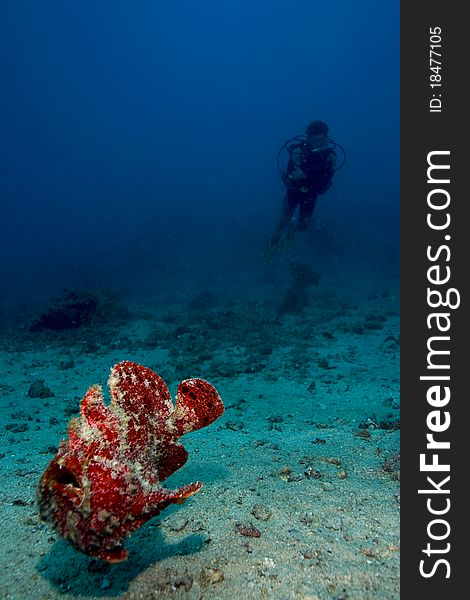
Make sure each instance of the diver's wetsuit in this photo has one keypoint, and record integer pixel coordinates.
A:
(318, 167)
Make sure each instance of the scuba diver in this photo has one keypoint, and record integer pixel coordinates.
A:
(309, 173)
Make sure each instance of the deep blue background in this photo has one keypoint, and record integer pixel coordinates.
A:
(139, 139)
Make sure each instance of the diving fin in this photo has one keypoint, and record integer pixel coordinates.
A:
(270, 250)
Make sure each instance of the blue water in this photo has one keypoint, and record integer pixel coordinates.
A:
(140, 141)
(138, 155)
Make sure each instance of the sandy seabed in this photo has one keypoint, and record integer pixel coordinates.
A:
(301, 473)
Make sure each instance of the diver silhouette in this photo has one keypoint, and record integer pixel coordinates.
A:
(309, 173)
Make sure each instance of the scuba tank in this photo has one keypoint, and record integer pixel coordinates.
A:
(299, 141)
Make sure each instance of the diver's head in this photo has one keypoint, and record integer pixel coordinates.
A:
(317, 134)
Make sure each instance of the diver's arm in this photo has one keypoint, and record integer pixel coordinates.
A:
(330, 166)
(332, 161)
(297, 159)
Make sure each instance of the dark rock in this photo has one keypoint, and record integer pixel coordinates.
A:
(362, 433)
(261, 512)
(210, 576)
(391, 465)
(294, 477)
(234, 426)
(390, 424)
(76, 308)
(66, 364)
(247, 530)
(312, 473)
(38, 389)
(17, 427)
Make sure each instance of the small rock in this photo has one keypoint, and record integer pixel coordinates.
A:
(261, 512)
(66, 364)
(331, 460)
(17, 427)
(20, 502)
(257, 443)
(307, 519)
(309, 554)
(197, 526)
(334, 523)
(247, 530)
(369, 422)
(390, 424)
(293, 477)
(362, 433)
(341, 474)
(312, 473)
(209, 576)
(38, 389)
(324, 363)
(185, 582)
(234, 425)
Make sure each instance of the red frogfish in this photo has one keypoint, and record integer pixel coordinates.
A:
(104, 482)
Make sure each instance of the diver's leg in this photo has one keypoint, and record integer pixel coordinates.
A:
(288, 208)
(306, 208)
